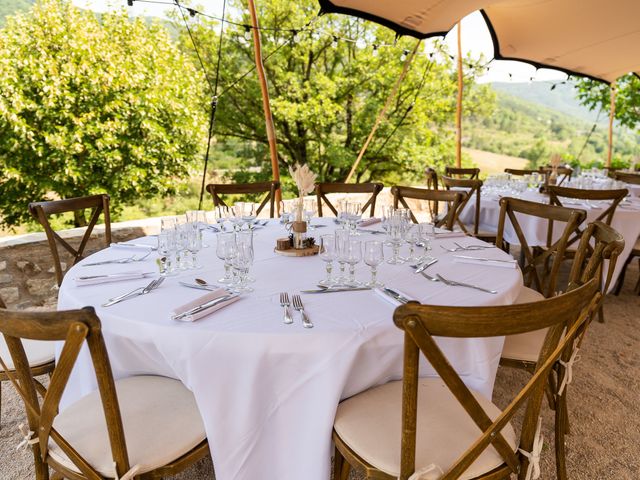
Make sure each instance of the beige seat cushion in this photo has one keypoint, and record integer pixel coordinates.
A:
(161, 423)
(38, 353)
(370, 424)
(525, 346)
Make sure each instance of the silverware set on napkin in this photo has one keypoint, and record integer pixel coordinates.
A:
(135, 293)
(297, 304)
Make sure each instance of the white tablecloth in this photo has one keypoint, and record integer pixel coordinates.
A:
(626, 221)
(267, 391)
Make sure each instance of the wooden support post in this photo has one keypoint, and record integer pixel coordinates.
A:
(612, 114)
(459, 102)
(271, 131)
(382, 114)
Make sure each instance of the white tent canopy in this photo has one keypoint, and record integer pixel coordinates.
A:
(586, 37)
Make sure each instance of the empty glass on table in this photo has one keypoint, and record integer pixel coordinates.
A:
(353, 256)
(373, 256)
(328, 253)
(226, 250)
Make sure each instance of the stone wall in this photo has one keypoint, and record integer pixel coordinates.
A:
(27, 275)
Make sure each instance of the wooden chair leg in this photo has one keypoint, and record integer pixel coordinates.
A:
(637, 287)
(341, 468)
(0, 404)
(620, 282)
(561, 426)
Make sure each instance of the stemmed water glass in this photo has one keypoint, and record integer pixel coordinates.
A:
(194, 243)
(241, 263)
(198, 218)
(183, 255)
(235, 215)
(353, 215)
(341, 208)
(248, 214)
(246, 237)
(411, 236)
(226, 250)
(286, 211)
(373, 256)
(353, 255)
(396, 232)
(221, 214)
(328, 254)
(167, 252)
(342, 239)
(309, 206)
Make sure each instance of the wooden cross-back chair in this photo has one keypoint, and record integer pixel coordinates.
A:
(322, 189)
(563, 174)
(535, 258)
(444, 427)
(627, 177)
(41, 211)
(451, 198)
(519, 172)
(559, 195)
(599, 244)
(270, 188)
(164, 431)
(469, 173)
(41, 357)
(431, 179)
(471, 188)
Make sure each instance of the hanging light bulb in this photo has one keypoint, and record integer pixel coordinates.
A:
(375, 50)
(191, 11)
(403, 57)
(334, 43)
(130, 3)
(247, 33)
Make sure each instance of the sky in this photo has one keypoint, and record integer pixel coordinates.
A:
(475, 39)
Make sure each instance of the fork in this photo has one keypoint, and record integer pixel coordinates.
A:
(130, 259)
(284, 302)
(134, 293)
(297, 304)
(453, 283)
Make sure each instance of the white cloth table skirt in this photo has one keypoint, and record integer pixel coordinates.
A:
(626, 221)
(267, 391)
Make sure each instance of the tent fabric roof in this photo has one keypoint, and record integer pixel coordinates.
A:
(591, 38)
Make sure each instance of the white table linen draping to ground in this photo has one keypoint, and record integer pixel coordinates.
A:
(268, 392)
(626, 221)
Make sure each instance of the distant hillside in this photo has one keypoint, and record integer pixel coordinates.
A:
(10, 7)
(562, 98)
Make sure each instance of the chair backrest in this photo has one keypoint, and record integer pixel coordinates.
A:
(564, 174)
(627, 177)
(74, 328)
(558, 196)
(217, 189)
(451, 198)
(469, 173)
(598, 243)
(42, 210)
(538, 256)
(322, 189)
(520, 173)
(431, 178)
(469, 188)
(421, 323)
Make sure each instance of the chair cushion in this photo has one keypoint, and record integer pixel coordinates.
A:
(525, 346)
(161, 423)
(38, 353)
(370, 424)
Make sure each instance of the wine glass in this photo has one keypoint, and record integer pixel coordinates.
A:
(396, 231)
(183, 255)
(373, 256)
(309, 211)
(354, 215)
(241, 263)
(342, 238)
(167, 252)
(199, 220)
(221, 214)
(225, 250)
(235, 215)
(246, 237)
(248, 214)
(194, 243)
(411, 237)
(353, 256)
(328, 255)
(285, 212)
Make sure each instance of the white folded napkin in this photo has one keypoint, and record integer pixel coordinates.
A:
(219, 293)
(112, 277)
(380, 292)
(133, 245)
(368, 221)
(486, 262)
(447, 234)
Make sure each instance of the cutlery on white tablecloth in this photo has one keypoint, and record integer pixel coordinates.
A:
(285, 303)
(485, 261)
(134, 293)
(133, 245)
(396, 295)
(473, 247)
(334, 290)
(297, 304)
(426, 263)
(454, 283)
(204, 306)
(130, 259)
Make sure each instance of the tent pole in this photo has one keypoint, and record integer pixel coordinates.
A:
(383, 112)
(612, 114)
(271, 131)
(459, 102)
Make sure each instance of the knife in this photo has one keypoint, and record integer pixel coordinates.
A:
(484, 259)
(332, 290)
(425, 265)
(204, 306)
(134, 245)
(115, 275)
(396, 295)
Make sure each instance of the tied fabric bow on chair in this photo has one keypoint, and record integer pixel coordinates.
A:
(533, 470)
(430, 472)
(26, 437)
(568, 369)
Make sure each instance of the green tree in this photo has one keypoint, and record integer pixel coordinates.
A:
(90, 105)
(326, 92)
(596, 95)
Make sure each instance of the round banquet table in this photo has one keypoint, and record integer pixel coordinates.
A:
(268, 392)
(626, 220)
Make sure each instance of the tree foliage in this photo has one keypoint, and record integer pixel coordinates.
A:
(90, 105)
(326, 92)
(597, 95)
